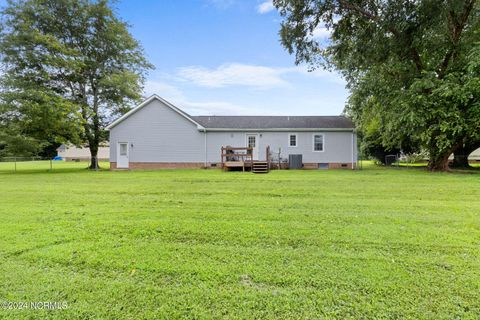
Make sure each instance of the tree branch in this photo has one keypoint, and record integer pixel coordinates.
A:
(371, 16)
(456, 26)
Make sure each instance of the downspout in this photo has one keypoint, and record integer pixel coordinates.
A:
(205, 133)
(353, 144)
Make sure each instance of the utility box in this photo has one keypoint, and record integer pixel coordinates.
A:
(295, 161)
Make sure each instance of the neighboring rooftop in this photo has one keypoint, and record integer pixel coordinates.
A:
(274, 122)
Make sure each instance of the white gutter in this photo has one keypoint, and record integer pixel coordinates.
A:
(280, 129)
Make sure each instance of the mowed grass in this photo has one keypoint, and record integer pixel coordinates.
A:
(45, 166)
(204, 244)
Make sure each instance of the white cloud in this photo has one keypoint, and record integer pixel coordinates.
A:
(219, 108)
(176, 96)
(177, 88)
(234, 74)
(257, 77)
(265, 7)
(163, 90)
(321, 33)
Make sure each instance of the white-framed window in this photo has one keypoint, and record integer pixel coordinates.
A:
(252, 141)
(318, 142)
(123, 149)
(292, 140)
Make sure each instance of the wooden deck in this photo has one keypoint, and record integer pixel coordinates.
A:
(242, 157)
(237, 164)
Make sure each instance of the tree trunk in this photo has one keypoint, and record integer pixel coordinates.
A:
(94, 140)
(460, 155)
(439, 164)
(460, 158)
(94, 159)
(439, 160)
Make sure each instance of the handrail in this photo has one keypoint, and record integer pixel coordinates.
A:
(244, 156)
(234, 154)
(268, 156)
(237, 148)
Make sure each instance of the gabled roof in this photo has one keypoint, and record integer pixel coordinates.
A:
(146, 102)
(275, 122)
(265, 123)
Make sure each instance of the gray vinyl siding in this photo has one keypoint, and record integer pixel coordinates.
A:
(337, 145)
(217, 140)
(158, 134)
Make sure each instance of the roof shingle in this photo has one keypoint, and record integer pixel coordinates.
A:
(274, 122)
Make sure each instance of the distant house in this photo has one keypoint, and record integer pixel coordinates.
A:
(157, 134)
(474, 156)
(72, 153)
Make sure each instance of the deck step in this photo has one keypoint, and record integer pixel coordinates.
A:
(260, 167)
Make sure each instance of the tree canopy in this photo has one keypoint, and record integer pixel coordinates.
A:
(411, 66)
(69, 66)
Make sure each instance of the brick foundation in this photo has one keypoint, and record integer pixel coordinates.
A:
(160, 165)
(340, 165)
(200, 165)
(331, 165)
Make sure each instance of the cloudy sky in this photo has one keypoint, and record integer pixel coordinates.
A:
(224, 57)
(221, 57)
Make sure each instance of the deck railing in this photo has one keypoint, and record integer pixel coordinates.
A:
(268, 157)
(230, 154)
(241, 155)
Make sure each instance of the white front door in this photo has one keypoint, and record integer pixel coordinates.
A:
(252, 142)
(122, 155)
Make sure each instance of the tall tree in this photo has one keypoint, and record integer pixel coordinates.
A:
(71, 60)
(410, 57)
(33, 117)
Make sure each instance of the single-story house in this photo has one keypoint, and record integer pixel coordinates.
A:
(156, 134)
(73, 153)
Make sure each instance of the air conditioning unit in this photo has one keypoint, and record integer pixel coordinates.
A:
(295, 161)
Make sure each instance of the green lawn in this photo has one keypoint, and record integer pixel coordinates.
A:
(44, 166)
(203, 244)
